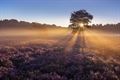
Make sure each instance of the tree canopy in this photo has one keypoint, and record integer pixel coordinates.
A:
(81, 17)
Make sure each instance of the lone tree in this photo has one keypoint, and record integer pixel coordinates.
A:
(80, 18)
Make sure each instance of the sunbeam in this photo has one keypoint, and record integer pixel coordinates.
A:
(71, 42)
(100, 43)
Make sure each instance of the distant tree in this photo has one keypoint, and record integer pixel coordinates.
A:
(81, 17)
(53, 25)
(13, 23)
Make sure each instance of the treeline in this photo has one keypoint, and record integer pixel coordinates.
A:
(107, 27)
(13, 23)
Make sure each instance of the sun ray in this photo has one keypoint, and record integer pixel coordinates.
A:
(71, 42)
(101, 42)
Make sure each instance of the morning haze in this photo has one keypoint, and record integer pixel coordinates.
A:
(59, 40)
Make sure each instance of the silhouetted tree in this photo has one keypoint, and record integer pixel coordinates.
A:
(80, 17)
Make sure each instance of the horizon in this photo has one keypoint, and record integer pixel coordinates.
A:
(58, 12)
(59, 25)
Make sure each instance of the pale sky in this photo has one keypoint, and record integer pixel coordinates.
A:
(58, 11)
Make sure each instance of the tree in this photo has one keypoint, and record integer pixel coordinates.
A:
(81, 18)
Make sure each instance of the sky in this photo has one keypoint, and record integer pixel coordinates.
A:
(59, 11)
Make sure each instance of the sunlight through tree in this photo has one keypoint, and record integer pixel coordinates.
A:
(80, 19)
